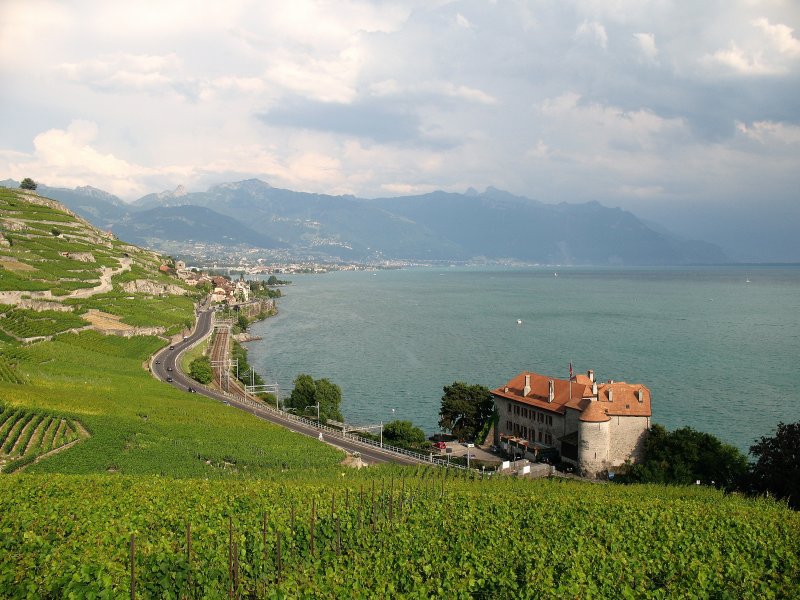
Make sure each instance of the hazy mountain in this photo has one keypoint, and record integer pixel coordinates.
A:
(191, 224)
(100, 208)
(497, 224)
(492, 225)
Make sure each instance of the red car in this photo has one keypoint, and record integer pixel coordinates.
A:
(440, 445)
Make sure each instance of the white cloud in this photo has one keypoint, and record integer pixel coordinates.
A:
(121, 72)
(594, 32)
(781, 37)
(770, 132)
(773, 52)
(462, 21)
(647, 45)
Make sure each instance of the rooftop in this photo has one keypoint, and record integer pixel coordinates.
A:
(610, 399)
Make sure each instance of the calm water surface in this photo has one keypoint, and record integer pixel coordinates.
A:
(718, 353)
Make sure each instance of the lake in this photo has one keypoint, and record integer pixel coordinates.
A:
(717, 346)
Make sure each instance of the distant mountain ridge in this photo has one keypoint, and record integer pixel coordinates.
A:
(493, 225)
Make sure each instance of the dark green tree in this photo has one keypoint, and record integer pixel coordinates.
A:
(403, 433)
(465, 409)
(685, 456)
(272, 280)
(28, 184)
(200, 370)
(307, 393)
(303, 393)
(777, 467)
(242, 322)
(329, 396)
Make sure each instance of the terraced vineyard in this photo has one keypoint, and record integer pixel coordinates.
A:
(23, 323)
(8, 372)
(25, 435)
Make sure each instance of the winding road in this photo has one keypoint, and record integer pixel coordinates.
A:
(166, 364)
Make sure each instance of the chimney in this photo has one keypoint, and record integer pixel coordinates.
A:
(610, 395)
(527, 389)
(551, 393)
(594, 389)
(590, 373)
(640, 395)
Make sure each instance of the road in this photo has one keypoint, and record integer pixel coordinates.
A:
(165, 365)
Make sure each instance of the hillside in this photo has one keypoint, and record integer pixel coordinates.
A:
(61, 299)
(492, 225)
(211, 502)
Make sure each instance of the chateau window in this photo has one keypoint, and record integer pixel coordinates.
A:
(540, 435)
(549, 420)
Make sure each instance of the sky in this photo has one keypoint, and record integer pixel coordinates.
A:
(686, 113)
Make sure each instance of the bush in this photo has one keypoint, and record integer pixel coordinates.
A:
(200, 370)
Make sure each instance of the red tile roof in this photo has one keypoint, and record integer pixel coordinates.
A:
(623, 399)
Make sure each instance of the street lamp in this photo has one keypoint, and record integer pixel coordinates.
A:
(312, 406)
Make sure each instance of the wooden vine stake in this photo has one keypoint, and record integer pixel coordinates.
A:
(133, 569)
(278, 561)
(189, 555)
(313, 514)
(338, 538)
(230, 556)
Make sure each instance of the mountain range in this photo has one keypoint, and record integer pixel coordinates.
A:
(440, 226)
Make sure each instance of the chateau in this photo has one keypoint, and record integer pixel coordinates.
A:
(593, 426)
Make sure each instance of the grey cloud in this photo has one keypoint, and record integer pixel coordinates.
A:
(363, 119)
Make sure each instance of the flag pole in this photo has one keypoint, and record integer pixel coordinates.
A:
(570, 381)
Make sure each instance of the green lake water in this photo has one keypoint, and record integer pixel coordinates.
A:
(718, 353)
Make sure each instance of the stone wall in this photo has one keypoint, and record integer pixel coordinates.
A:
(593, 448)
(627, 439)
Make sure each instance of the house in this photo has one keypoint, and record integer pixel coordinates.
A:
(592, 426)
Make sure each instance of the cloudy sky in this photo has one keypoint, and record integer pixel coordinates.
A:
(684, 112)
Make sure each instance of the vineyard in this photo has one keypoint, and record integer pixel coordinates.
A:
(390, 533)
(8, 372)
(140, 310)
(23, 323)
(25, 435)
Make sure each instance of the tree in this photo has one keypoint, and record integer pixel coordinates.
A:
(303, 393)
(403, 433)
(242, 322)
(685, 456)
(307, 393)
(200, 370)
(272, 280)
(28, 184)
(777, 467)
(465, 409)
(329, 396)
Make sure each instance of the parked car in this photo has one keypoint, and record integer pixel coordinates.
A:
(158, 362)
(172, 347)
(468, 444)
(440, 445)
(191, 390)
